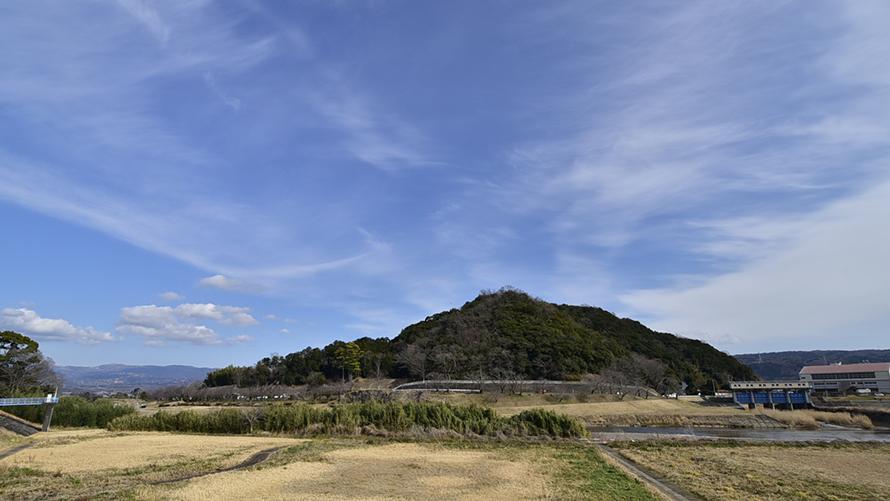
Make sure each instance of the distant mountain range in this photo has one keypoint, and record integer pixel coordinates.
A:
(787, 364)
(114, 378)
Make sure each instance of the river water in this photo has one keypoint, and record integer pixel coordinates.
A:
(828, 434)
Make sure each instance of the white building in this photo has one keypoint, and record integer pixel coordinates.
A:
(842, 377)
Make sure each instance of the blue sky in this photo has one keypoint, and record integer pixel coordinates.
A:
(210, 182)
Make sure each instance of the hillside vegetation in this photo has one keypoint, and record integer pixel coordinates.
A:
(506, 334)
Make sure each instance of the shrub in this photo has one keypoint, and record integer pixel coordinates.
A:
(396, 417)
(544, 422)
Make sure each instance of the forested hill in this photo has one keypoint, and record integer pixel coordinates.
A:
(787, 364)
(507, 334)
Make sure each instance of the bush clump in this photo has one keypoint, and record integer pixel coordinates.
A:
(350, 419)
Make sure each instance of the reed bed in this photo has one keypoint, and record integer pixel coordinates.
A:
(810, 419)
(358, 418)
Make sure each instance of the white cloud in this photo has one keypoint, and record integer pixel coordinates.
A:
(156, 184)
(170, 296)
(182, 322)
(234, 315)
(229, 315)
(284, 331)
(157, 334)
(50, 329)
(221, 282)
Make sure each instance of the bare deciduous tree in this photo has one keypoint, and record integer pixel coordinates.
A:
(414, 358)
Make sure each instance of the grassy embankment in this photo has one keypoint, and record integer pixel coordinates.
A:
(741, 471)
(88, 464)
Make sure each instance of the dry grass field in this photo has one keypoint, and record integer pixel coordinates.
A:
(650, 407)
(667, 412)
(97, 464)
(731, 472)
(76, 451)
(393, 471)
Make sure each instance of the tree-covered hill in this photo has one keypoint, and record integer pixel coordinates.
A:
(507, 334)
(697, 363)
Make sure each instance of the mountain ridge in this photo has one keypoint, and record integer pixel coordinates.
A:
(787, 364)
(113, 378)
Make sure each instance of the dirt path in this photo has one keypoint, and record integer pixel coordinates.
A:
(13, 450)
(253, 460)
(663, 487)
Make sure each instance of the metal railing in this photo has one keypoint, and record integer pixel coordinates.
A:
(11, 402)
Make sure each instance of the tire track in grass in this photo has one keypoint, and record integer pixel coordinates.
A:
(253, 460)
(13, 450)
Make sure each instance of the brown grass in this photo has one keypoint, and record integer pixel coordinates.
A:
(655, 412)
(71, 452)
(811, 420)
(782, 471)
(96, 464)
(653, 406)
(394, 471)
(679, 413)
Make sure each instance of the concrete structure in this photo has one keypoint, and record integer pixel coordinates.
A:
(781, 394)
(838, 378)
(48, 404)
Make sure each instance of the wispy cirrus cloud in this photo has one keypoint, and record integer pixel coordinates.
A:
(373, 136)
(826, 275)
(815, 269)
(631, 158)
(159, 188)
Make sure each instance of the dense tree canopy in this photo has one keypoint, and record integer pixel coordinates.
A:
(23, 369)
(503, 335)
